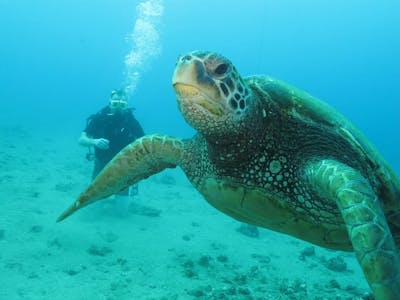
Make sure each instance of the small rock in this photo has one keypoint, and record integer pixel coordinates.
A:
(188, 264)
(121, 261)
(296, 289)
(240, 279)
(262, 259)
(143, 210)
(333, 284)
(249, 230)
(222, 258)
(33, 275)
(99, 251)
(186, 237)
(196, 293)
(195, 224)
(218, 246)
(244, 291)
(36, 229)
(204, 260)
(71, 272)
(336, 264)
(307, 252)
(230, 290)
(189, 273)
(351, 288)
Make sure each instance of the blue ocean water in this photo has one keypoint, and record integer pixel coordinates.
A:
(59, 60)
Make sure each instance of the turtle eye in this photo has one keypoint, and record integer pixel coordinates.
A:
(221, 69)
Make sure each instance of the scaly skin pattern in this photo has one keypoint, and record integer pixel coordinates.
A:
(365, 221)
(146, 156)
(269, 154)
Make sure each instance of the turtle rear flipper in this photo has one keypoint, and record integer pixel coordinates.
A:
(146, 156)
(365, 221)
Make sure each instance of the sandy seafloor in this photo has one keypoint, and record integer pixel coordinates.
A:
(189, 251)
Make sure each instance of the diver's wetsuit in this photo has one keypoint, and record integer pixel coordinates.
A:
(120, 129)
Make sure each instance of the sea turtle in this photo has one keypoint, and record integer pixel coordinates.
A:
(269, 154)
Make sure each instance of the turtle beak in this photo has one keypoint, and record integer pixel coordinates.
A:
(190, 71)
(192, 87)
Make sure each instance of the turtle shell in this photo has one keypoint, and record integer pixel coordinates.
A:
(299, 105)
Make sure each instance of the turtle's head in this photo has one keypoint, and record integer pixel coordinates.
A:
(211, 95)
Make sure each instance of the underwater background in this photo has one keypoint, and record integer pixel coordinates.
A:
(59, 61)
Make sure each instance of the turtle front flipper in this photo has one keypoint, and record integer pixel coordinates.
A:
(365, 221)
(146, 156)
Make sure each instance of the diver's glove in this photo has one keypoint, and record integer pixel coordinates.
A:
(103, 144)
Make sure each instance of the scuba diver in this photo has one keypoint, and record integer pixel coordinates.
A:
(108, 131)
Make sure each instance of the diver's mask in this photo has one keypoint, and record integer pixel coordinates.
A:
(118, 101)
(118, 105)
